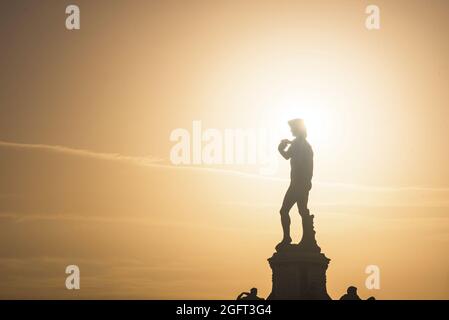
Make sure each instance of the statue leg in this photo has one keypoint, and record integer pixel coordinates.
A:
(285, 221)
(308, 240)
(287, 204)
(307, 228)
(302, 203)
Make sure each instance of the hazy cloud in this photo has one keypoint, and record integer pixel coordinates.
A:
(82, 152)
(157, 161)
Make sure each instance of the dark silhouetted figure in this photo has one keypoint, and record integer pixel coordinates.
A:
(299, 270)
(252, 295)
(371, 298)
(300, 154)
(351, 294)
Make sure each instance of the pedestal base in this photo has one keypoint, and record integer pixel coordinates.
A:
(298, 274)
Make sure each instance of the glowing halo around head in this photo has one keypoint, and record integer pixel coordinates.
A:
(312, 112)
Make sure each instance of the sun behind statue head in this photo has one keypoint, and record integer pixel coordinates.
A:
(298, 128)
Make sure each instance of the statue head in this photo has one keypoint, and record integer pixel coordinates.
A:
(298, 128)
(253, 291)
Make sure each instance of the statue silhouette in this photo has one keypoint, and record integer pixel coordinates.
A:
(298, 270)
(300, 154)
(252, 295)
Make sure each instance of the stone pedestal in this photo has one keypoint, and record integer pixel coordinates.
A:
(299, 270)
(298, 275)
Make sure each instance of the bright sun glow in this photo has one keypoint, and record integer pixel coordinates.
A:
(315, 113)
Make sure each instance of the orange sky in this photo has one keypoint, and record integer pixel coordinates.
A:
(86, 117)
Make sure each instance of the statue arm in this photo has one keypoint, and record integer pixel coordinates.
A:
(281, 148)
(284, 154)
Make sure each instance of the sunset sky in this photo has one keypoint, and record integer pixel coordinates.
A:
(86, 116)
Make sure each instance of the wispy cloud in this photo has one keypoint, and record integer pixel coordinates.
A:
(140, 221)
(84, 153)
(276, 206)
(160, 162)
(383, 188)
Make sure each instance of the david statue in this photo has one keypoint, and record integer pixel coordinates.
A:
(299, 270)
(300, 154)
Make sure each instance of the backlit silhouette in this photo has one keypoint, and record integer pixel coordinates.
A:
(299, 270)
(300, 154)
(351, 294)
(252, 295)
